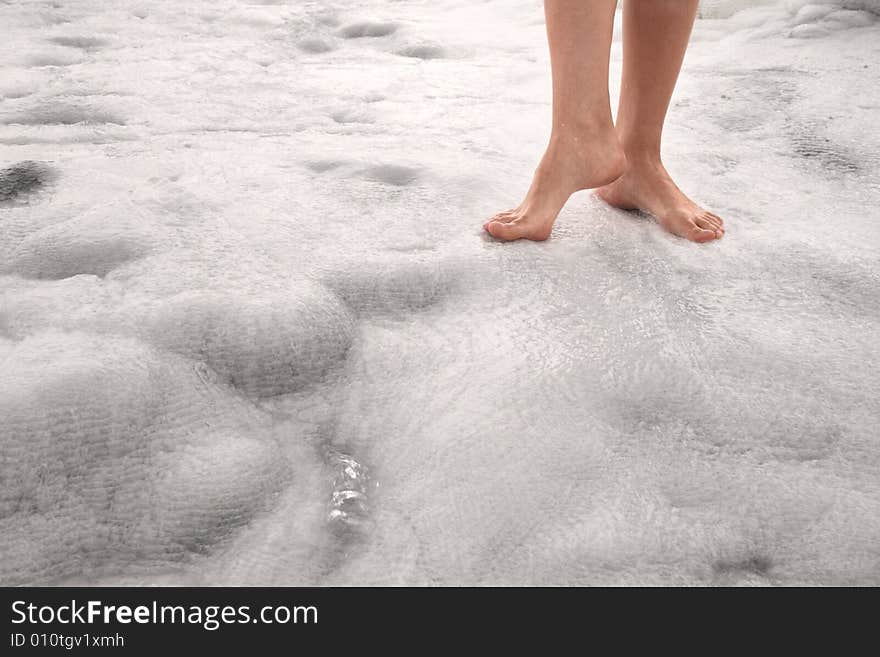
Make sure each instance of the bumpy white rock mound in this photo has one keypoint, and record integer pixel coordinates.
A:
(118, 456)
(251, 333)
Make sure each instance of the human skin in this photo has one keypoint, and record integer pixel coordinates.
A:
(586, 150)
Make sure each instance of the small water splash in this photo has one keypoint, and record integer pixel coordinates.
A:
(349, 502)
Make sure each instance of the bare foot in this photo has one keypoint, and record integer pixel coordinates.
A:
(647, 186)
(584, 160)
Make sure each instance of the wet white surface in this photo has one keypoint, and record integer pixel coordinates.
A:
(250, 331)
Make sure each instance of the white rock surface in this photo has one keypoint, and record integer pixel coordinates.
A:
(252, 245)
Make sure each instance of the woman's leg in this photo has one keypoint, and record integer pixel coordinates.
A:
(584, 151)
(655, 37)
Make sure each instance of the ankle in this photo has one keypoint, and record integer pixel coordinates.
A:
(640, 149)
(644, 161)
(574, 146)
(583, 129)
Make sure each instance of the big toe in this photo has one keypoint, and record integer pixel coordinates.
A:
(700, 234)
(518, 229)
(707, 223)
(502, 217)
(505, 231)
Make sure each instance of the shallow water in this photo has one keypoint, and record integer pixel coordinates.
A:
(251, 333)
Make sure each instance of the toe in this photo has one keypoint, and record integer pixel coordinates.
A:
(693, 228)
(502, 217)
(700, 234)
(706, 223)
(521, 228)
(705, 220)
(713, 221)
(505, 231)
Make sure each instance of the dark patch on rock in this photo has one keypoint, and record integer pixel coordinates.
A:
(83, 42)
(22, 178)
(320, 166)
(756, 564)
(367, 29)
(315, 45)
(64, 115)
(824, 152)
(422, 52)
(392, 174)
